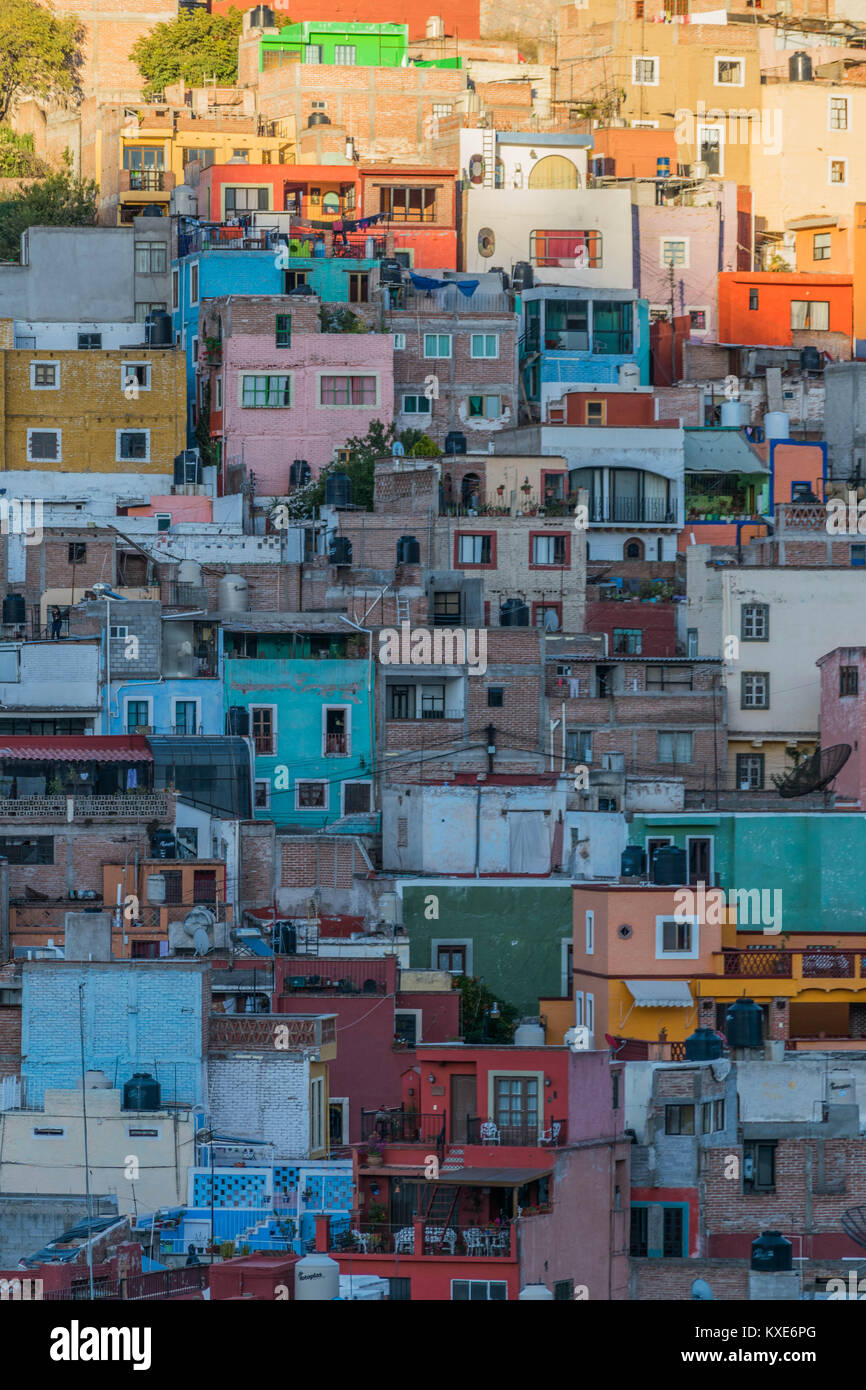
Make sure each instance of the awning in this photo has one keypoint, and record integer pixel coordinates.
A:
(48, 748)
(492, 1177)
(660, 994)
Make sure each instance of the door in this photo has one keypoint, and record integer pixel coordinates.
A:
(405, 1202)
(463, 1104)
(700, 859)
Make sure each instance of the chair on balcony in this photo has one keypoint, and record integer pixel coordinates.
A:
(404, 1241)
(499, 1241)
(489, 1133)
(551, 1136)
(435, 1235)
(474, 1242)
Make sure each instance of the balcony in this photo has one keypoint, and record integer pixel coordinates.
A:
(147, 181)
(494, 1242)
(336, 745)
(447, 301)
(136, 806)
(763, 963)
(490, 1134)
(400, 1127)
(632, 510)
(337, 977)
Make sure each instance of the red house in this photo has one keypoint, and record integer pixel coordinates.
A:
(318, 192)
(420, 207)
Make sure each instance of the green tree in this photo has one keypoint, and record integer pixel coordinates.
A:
(18, 159)
(480, 1025)
(60, 200)
(40, 54)
(192, 48)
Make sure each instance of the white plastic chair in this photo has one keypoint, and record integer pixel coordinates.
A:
(404, 1241)
(489, 1133)
(473, 1241)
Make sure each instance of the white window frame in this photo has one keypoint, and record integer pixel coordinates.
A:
(436, 355)
(185, 700)
(678, 265)
(137, 700)
(644, 58)
(118, 457)
(262, 782)
(693, 953)
(342, 1101)
(415, 396)
(399, 342)
(590, 1017)
(837, 159)
(319, 781)
(352, 781)
(729, 58)
(835, 129)
(118, 633)
(701, 126)
(45, 429)
(317, 1113)
(704, 309)
(418, 1017)
(148, 374)
(347, 710)
(194, 282)
(44, 362)
(578, 1008)
(589, 925)
(484, 354)
(465, 942)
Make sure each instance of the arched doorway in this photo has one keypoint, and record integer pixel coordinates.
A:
(554, 171)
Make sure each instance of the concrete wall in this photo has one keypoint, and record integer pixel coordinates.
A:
(50, 676)
(441, 827)
(70, 273)
(512, 216)
(29, 1223)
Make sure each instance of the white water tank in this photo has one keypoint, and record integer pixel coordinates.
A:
(154, 889)
(317, 1278)
(629, 374)
(435, 27)
(232, 596)
(536, 1293)
(529, 1034)
(776, 425)
(189, 572)
(732, 413)
(183, 201)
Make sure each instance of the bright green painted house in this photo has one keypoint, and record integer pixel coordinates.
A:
(342, 44)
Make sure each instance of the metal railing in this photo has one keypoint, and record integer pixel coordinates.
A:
(402, 1127)
(768, 963)
(490, 1133)
(146, 180)
(335, 744)
(337, 977)
(405, 300)
(151, 805)
(383, 1238)
(424, 714)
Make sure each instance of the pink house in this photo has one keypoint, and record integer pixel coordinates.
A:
(280, 389)
(843, 717)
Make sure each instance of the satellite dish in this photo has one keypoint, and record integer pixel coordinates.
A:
(854, 1225)
(201, 941)
(815, 773)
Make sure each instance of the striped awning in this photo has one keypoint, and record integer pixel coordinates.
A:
(48, 748)
(660, 994)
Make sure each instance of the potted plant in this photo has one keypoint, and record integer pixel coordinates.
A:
(376, 1213)
(375, 1154)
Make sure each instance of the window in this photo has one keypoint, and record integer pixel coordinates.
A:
(675, 938)
(399, 1290)
(679, 1119)
(730, 72)
(39, 850)
(441, 108)
(218, 393)
(263, 726)
(808, 313)
(406, 1026)
(848, 680)
(474, 550)
(134, 1132)
(293, 278)
(446, 608)
(578, 745)
(399, 342)
(750, 772)
(838, 113)
(359, 287)
(615, 1088)
(246, 199)
(672, 1233)
(571, 249)
(347, 390)
(335, 731)
(479, 1290)
(43, 446)
(437, 344)
(837, 171)
(645, 72)
(283, 331)
(675, 747)
(711, 148)
(691, 641)
(755, 622)
(205, 157)
(515, 1106)
(135, 374)
(408, 204)
(674, 251)
(89, 341)
(590, 933)
(718, 1114)
(262, 796)
(45, 1133)
(150, 258)
(550, 551)
(143, 307)
(175, 289)
(143, 157)
(266, 392)
(357, 798)
(44, 376)
(417, 405)
(193, 283)
(485, 407)
(627, 641)
(76, 553)
(639, 1234)
(312, 53)
(753, 299)
(759, 1166)
(118, 633)
(317, 1113)
(137, 715)
(495, 696)
(548, 616)
(857, 556)
(311, 796)
(563, 1290)
(185, 716)
(452, 959)
(698, 320)
(821, 246)
(595, 412)
(484, 344)
(133, 446)
(755, 690)
(344, 55)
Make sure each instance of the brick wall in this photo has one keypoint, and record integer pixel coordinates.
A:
(655, 621)
(10, 1039)
(312, 861)
(797, 1203)
(79, 854)
(257, 846)
(264, 1096)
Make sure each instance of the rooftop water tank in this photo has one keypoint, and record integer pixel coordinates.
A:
(811, 360)
(529, 1033)
(629, 374)
(455, 442)
(435, 27)
(318, 118)
(261, 17)
(142, 1092)
(744, 1024)
(669, 865)
(800, 67)
(703, 1046)
(299, 473)
(189, 572)
(632, 862)
(183, 201)
(232, 594)
(317, 1278)
(155, 889)
(14, 609)
(771, 1252)
(157, 329)
(340, 550)
(732, 414)
(408, 551)
(776, 425)
(338, 490)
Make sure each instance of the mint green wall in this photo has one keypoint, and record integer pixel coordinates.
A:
(516, 932)
(818, 860)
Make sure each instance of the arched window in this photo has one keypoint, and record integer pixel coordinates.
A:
(331, 204)
(633, 550)
(554, 171)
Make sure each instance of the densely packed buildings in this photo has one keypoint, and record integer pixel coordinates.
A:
(431, 806)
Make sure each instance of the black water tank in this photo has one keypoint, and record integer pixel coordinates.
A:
(522, 276)
(338, 490)
(811, 360)
(703, 1046)
(455, 442)
(800, 67)
(299, 473)
(238, 720)
(14, 609)
(340, 551)
(157, 329)
(285, 938)
(262, 17)
(633, 862)
(408, 551)
(771, 1251)
(514, 612)
(163, 845)
(744, 1024)
(142, 1092)
(669, 865)
(390, 271)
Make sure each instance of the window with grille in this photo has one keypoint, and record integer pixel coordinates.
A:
(173, 886)
(312, 796)
(43, 445)
(672, 1233)
(313, 53)
(495, 696)
(344, 55)
(356, 797)
(755, 692)
(849, 680)
(755, 622)
(838, 113)
(133, 445)
(347, 390)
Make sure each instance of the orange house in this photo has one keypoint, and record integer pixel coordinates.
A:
(837, 246)
(787, 309)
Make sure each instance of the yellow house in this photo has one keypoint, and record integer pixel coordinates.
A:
(91, 411)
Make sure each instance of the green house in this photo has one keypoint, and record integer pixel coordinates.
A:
(342, 44)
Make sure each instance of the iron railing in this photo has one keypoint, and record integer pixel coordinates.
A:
(404, 300)
(768, 963)
(402, 1127)
(492, 1242)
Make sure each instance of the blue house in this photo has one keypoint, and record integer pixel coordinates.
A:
(574, 335)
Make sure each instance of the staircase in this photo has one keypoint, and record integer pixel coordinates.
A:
(488, 154)
(453, 1160)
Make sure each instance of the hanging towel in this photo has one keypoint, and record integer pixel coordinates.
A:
(131, 778)
(573, 689)
(466, 287)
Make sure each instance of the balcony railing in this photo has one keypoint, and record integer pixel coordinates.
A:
(493, 1242)
(280, 1032)
(337, 977)
(630, 510)
(335, 744)
(150, 805)
(404, 300)
(447, 713)
(769, 963)
(146, 180)
(400, 1127)
(489, 1133)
